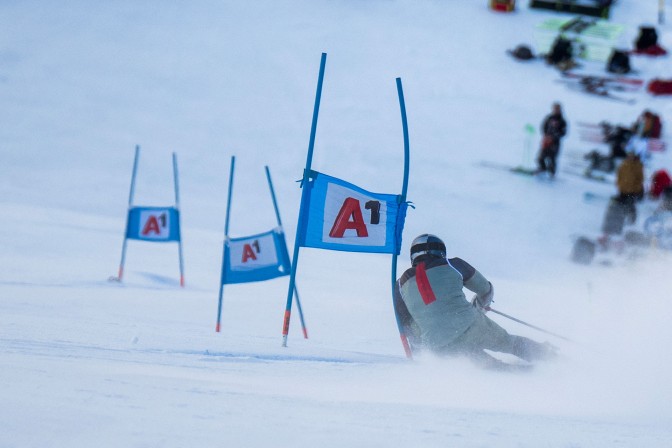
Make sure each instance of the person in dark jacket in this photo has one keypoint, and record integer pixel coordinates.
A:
(432, 307)
(553, 128)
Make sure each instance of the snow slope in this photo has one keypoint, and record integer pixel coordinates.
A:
(88, 362)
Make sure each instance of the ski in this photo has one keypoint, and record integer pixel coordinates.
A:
(591, 137)
(597, 133)
(589, 175)
(590, 196)
(523, 170)
(578, 25)
(599, 90)
(596, 126)
(633, 83)
(513, 169)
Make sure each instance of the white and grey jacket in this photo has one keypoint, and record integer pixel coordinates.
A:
(429, 298)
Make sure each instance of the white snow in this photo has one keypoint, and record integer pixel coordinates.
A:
(86, 362)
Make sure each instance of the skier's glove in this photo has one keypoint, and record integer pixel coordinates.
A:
(482, 303)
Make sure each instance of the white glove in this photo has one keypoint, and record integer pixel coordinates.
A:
(482, 303)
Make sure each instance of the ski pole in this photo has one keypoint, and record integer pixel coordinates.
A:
(529, 325)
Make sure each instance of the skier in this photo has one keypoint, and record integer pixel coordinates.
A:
(553, 128)
(433, 309)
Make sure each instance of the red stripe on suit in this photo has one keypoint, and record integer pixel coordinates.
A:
(423, 284)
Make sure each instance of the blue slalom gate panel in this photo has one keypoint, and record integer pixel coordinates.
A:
(255, 258)
(155, 224)
(338, 215)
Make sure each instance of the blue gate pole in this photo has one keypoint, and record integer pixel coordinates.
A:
(304, 184)
(130, 204)
(224, 248)
(179, 226)
(402, 199)
(277, 215)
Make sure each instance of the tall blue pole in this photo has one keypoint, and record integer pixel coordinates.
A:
(402, 199)
(275, 202)
(277, 215)
(306, 175)
(130, 204)
(177, 207)
(224, 249)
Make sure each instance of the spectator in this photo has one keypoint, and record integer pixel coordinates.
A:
(553, 129)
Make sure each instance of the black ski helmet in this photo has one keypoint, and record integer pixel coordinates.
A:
(427, 244)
